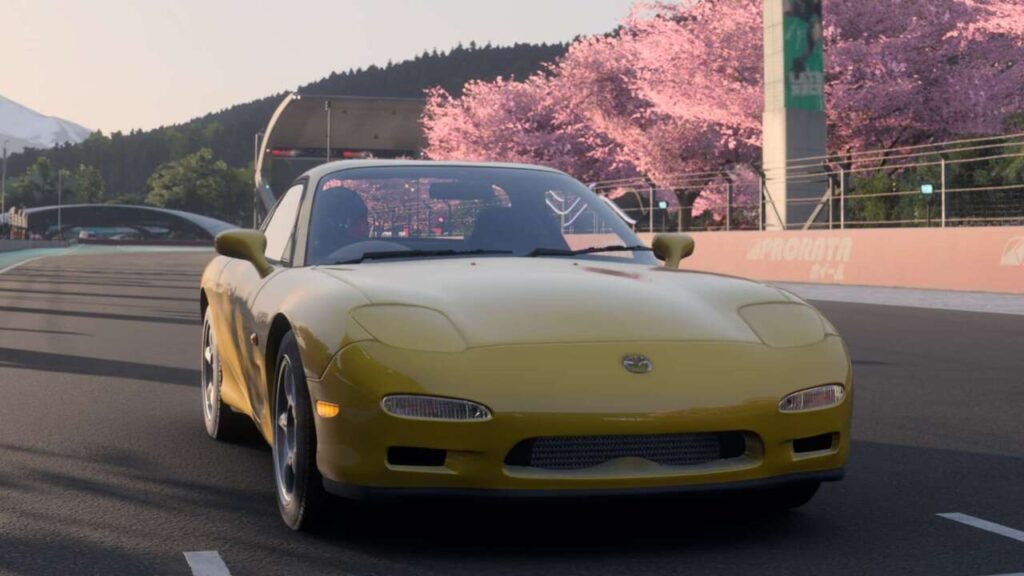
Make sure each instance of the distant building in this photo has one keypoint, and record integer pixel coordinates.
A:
(120, 223)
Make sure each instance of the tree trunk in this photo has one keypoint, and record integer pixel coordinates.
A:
(686, 199)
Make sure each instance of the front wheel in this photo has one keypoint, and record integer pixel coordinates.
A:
(300, 491)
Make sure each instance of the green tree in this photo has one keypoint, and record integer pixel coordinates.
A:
(37, 186)
(87, 185)
(202, 184)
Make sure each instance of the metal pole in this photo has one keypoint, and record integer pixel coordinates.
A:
(327, 107)
(842, 198)
(728, 206)
(942, 216)
(60, 195)
(679, 220)
(3, 182)
(760, 202)
(831, 203)
(650, 211)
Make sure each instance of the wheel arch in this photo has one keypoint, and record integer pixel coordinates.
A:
(278, 328)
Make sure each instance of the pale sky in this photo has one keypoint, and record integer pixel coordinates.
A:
(118, 64)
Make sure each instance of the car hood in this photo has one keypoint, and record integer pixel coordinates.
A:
(510, 301)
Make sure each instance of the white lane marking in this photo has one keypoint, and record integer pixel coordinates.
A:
(985, 525)
(15, 265)
(206, 563)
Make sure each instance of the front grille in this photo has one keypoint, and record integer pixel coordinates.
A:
(578, 452)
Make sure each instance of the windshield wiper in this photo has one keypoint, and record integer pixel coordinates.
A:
(381, 255)
(559, 252)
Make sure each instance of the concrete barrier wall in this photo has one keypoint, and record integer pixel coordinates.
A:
(972, 259)
(11, 245)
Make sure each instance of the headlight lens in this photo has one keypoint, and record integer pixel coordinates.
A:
(813, 398)
(434, 408)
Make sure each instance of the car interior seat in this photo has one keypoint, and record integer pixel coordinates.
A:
(508, 228)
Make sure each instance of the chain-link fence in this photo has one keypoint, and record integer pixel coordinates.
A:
(973, 182)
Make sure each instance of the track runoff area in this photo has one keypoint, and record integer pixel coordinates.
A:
(106, 467)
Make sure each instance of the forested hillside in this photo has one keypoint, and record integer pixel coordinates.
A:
(126, 161)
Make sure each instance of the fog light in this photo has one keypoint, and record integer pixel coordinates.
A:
(327, 409)
(813, 398)
(434, 408)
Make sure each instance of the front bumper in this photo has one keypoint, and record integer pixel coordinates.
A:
(580, 390)
(385, 493)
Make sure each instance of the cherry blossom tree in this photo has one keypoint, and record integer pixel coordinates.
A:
(690, 71)
(523, 121)
(745, 187)
(676, 93)
(899, 72)
(902, 72)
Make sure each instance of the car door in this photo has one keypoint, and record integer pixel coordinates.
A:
(244, 364)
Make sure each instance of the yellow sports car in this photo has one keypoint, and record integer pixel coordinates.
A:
(426, 328)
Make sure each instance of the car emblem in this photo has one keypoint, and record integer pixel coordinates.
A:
(637, 364)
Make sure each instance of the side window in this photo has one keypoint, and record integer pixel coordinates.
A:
(281, 225)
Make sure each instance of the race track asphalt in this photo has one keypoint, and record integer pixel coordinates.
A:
(105, 467)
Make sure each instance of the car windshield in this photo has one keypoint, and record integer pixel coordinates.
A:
(421, 211)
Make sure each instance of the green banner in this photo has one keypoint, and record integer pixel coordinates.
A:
(804, 54)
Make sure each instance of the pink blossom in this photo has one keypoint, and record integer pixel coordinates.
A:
(678, 90)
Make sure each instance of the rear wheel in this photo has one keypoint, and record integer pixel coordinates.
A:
(222, 423)
(300, 491)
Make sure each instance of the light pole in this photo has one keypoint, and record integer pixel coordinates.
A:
(3, 182)
(60, 197)
(650, 209)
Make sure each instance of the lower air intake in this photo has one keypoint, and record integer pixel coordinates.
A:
(578, 452)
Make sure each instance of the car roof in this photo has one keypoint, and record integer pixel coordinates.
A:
(315, 174)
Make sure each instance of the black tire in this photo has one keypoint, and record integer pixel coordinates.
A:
(222, 423)
(300, 489)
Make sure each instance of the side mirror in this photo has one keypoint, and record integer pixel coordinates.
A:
(246, 245)
(671, 248)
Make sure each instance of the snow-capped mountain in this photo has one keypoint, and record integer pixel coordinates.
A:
(26, 128)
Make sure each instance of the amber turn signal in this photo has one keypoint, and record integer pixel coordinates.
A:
(327, 409)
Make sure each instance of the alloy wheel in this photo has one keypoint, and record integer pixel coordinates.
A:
(285, 444)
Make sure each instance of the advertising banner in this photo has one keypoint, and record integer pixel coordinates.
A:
(804, 55)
